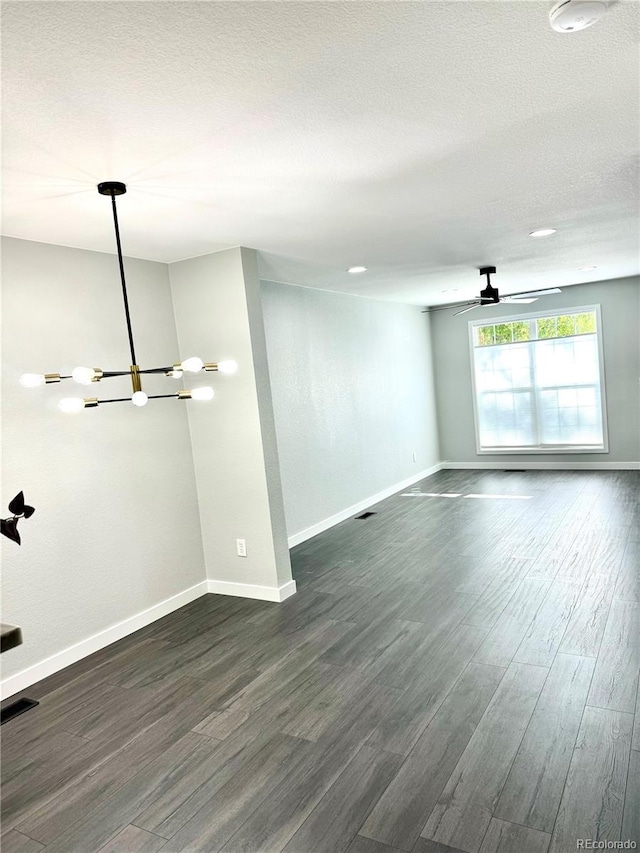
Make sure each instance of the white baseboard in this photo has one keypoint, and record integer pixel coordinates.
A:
(505, 465)
(326, 523)
(250, 590)
(22, 680)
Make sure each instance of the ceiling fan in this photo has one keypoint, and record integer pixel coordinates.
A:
(490, 296)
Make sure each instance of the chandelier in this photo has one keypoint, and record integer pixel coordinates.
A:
(89, 375)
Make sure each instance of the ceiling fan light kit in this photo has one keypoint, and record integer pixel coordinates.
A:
(89, 375)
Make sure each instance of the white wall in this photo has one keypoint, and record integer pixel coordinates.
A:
(218, 316)
(353, 397)
(619, 301)
(116, 528)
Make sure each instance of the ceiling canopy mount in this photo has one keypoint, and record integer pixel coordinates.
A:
(112, 188)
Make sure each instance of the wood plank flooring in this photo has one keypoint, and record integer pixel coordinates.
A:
(454, 674)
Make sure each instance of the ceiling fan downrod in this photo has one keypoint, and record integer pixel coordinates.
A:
(489, 294)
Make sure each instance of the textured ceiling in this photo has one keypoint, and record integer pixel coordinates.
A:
(421, 139)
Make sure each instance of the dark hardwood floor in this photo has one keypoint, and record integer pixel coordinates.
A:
(455, 674)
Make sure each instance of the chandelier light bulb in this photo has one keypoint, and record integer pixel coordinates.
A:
(32, 380)
(83, 375)
(71, 404)
(204, 393)
(139, 398)
(193, 364)
(228, 366)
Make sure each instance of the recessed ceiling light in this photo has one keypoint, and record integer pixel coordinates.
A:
(542, 232)
(357, 269)
(587, 269)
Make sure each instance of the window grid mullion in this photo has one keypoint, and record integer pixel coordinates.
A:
(535, 399)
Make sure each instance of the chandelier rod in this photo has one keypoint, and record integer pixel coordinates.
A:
(124, 285)
(128, 399)
(108, 373)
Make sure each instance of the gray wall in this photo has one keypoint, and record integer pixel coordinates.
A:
(353, 397)
(218, 316)
(620, 307)
(116, 528)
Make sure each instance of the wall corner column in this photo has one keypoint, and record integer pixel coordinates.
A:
(219, 316)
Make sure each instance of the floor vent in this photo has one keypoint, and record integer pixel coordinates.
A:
(514, 471)
(16, 708)
(365, 515)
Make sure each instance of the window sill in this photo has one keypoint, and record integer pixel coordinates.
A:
(519, 451)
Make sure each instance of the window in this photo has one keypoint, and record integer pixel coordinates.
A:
(539, 383)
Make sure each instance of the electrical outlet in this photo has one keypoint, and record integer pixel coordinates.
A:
(241, 547)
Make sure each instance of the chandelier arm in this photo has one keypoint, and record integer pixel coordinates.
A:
(106, 374)
(124, 285)
(128, 399)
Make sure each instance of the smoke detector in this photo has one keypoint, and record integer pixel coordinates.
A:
(569, 16)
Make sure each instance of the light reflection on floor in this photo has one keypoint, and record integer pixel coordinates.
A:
(451, 495)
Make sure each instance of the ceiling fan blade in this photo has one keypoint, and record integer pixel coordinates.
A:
(537, 293)
(446, 307)
(523, 298)
(464, 310)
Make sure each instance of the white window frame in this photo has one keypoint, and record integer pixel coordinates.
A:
(549, 448)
